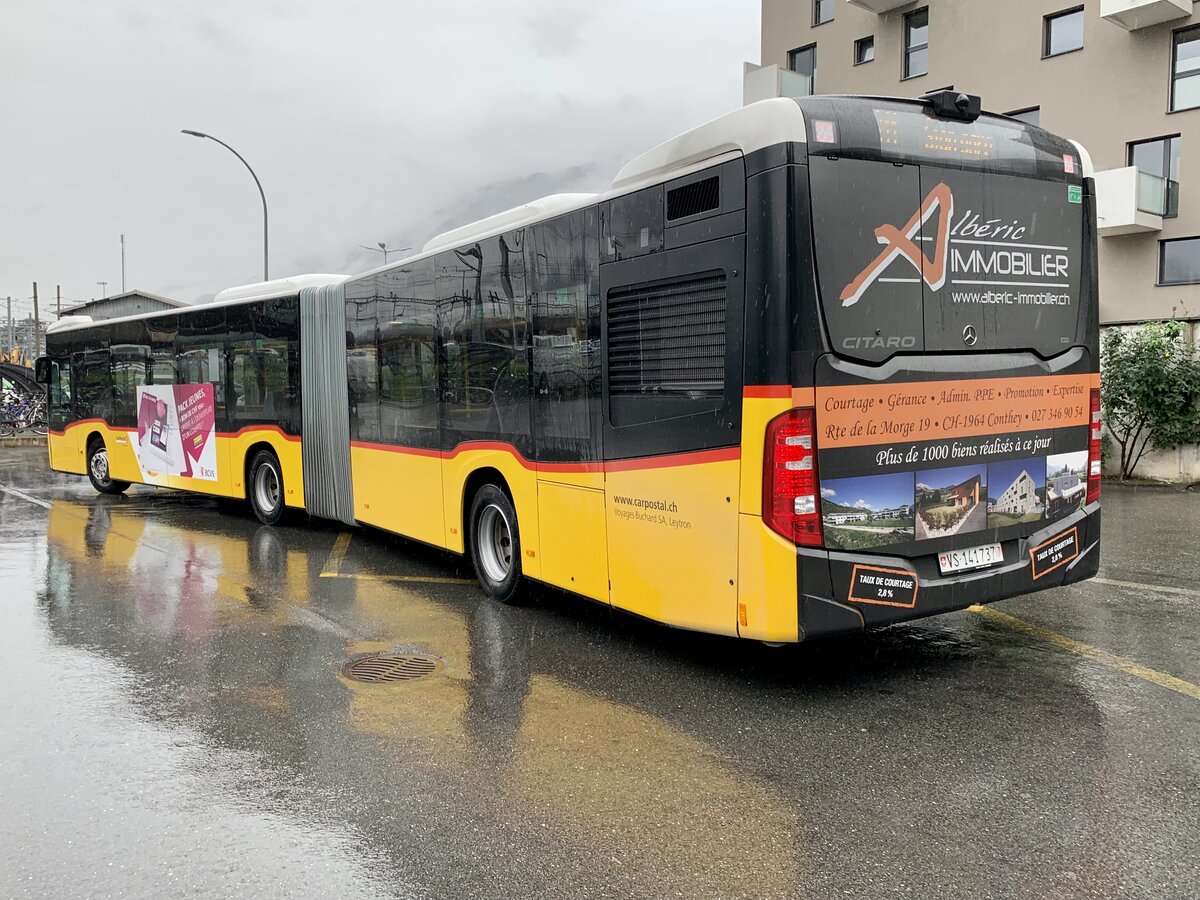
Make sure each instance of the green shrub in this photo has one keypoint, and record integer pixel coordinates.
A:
(1149, 382)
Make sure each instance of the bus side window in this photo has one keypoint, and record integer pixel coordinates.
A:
(129, 371)
(482, 311)
(162, 350)
(632, 225)
(243, 395)
(277, 329)
(200, 354)
(362, 365)
(129, 345)
(59, 412)
(406, 318)
(93, 385)
(564, 283)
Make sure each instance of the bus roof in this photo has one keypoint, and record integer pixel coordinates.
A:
(533, 211)
(741, 131)
(738, 133)
(753, 127)
(245, 293)
(278, 287)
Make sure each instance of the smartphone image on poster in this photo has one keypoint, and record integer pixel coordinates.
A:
(158, 428)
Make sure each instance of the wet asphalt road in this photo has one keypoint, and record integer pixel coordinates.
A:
(173, 723)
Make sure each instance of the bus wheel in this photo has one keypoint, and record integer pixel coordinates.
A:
(496, 544)
(97, 466)
(266, 487)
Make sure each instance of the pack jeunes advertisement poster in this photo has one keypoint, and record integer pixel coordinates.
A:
(176, 431)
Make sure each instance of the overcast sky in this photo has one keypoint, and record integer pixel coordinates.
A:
(366, 120)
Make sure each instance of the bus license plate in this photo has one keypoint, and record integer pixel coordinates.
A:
(970, 558)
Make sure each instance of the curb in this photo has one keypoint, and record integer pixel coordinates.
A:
(1147, 484)
(23, 440)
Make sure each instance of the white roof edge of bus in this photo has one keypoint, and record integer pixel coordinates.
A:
(234, 296)
(277, 287)
(67, 322)
(542, 208)
(750, 128)
(762, 124)
(501, 222)
(1085, 159)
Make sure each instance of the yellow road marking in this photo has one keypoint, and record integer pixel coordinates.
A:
(1162, 679)
(428, 579)
(1190, 592)
(233, 590)
(333, 568)
(334, 564)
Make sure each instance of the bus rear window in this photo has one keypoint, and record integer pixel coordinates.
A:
(892, 131)
(929, 258)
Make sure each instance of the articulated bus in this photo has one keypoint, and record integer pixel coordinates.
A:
(817, 366)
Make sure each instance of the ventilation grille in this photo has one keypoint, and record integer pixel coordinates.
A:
(668, 337)
(697, 197)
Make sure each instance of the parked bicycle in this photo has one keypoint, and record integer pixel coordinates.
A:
(19, 413)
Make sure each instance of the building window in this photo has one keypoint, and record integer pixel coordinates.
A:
(1157, 164)
(1185, 69)
(916, 43)
(864, 50)
(804, 63)
(1179, 261)
(1063, 32)
(822, 11)
(1031, 116)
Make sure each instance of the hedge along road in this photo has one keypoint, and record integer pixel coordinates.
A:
(177, 724)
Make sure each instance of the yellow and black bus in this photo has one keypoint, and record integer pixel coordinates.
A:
(816, 366)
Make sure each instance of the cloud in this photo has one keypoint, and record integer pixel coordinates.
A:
(861, 504)
(365, 122)
(828, 492)
(497, 196)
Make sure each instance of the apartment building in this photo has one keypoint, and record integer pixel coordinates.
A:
(1120, 76)
(1020, 497)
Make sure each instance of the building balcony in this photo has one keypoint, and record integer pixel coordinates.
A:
(768, 82)
(879, 6)
(1132, 202)
(1134, 14)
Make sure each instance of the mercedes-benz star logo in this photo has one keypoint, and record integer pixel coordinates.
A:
(969, 336)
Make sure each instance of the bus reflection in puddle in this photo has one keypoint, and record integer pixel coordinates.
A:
(556, 750)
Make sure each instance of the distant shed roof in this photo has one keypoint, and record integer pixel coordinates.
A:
(129, 303)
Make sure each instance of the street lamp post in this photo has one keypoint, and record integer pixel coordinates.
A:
(103, 288)
(201, 134)
(382, 247)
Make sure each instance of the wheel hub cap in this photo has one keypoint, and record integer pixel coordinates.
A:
(266, 486)
(100, 466)
(494, 543)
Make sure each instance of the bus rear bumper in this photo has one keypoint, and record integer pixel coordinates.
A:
(845, 593)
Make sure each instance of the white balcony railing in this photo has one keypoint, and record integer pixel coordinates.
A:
(1120, 198)
(1134, 14)
(766, 82)
(1157, 195)
(879, 6)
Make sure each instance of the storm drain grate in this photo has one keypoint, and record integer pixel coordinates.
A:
(390, 667)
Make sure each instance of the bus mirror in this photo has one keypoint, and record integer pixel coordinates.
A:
(41, 370)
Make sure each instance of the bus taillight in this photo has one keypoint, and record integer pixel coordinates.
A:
(790, 477)
(1093, 475)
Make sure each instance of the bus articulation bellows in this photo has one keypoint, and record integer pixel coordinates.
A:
(816, 366)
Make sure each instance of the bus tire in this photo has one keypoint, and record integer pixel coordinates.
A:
(495, 544)
(265, 487)
(97, 469)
